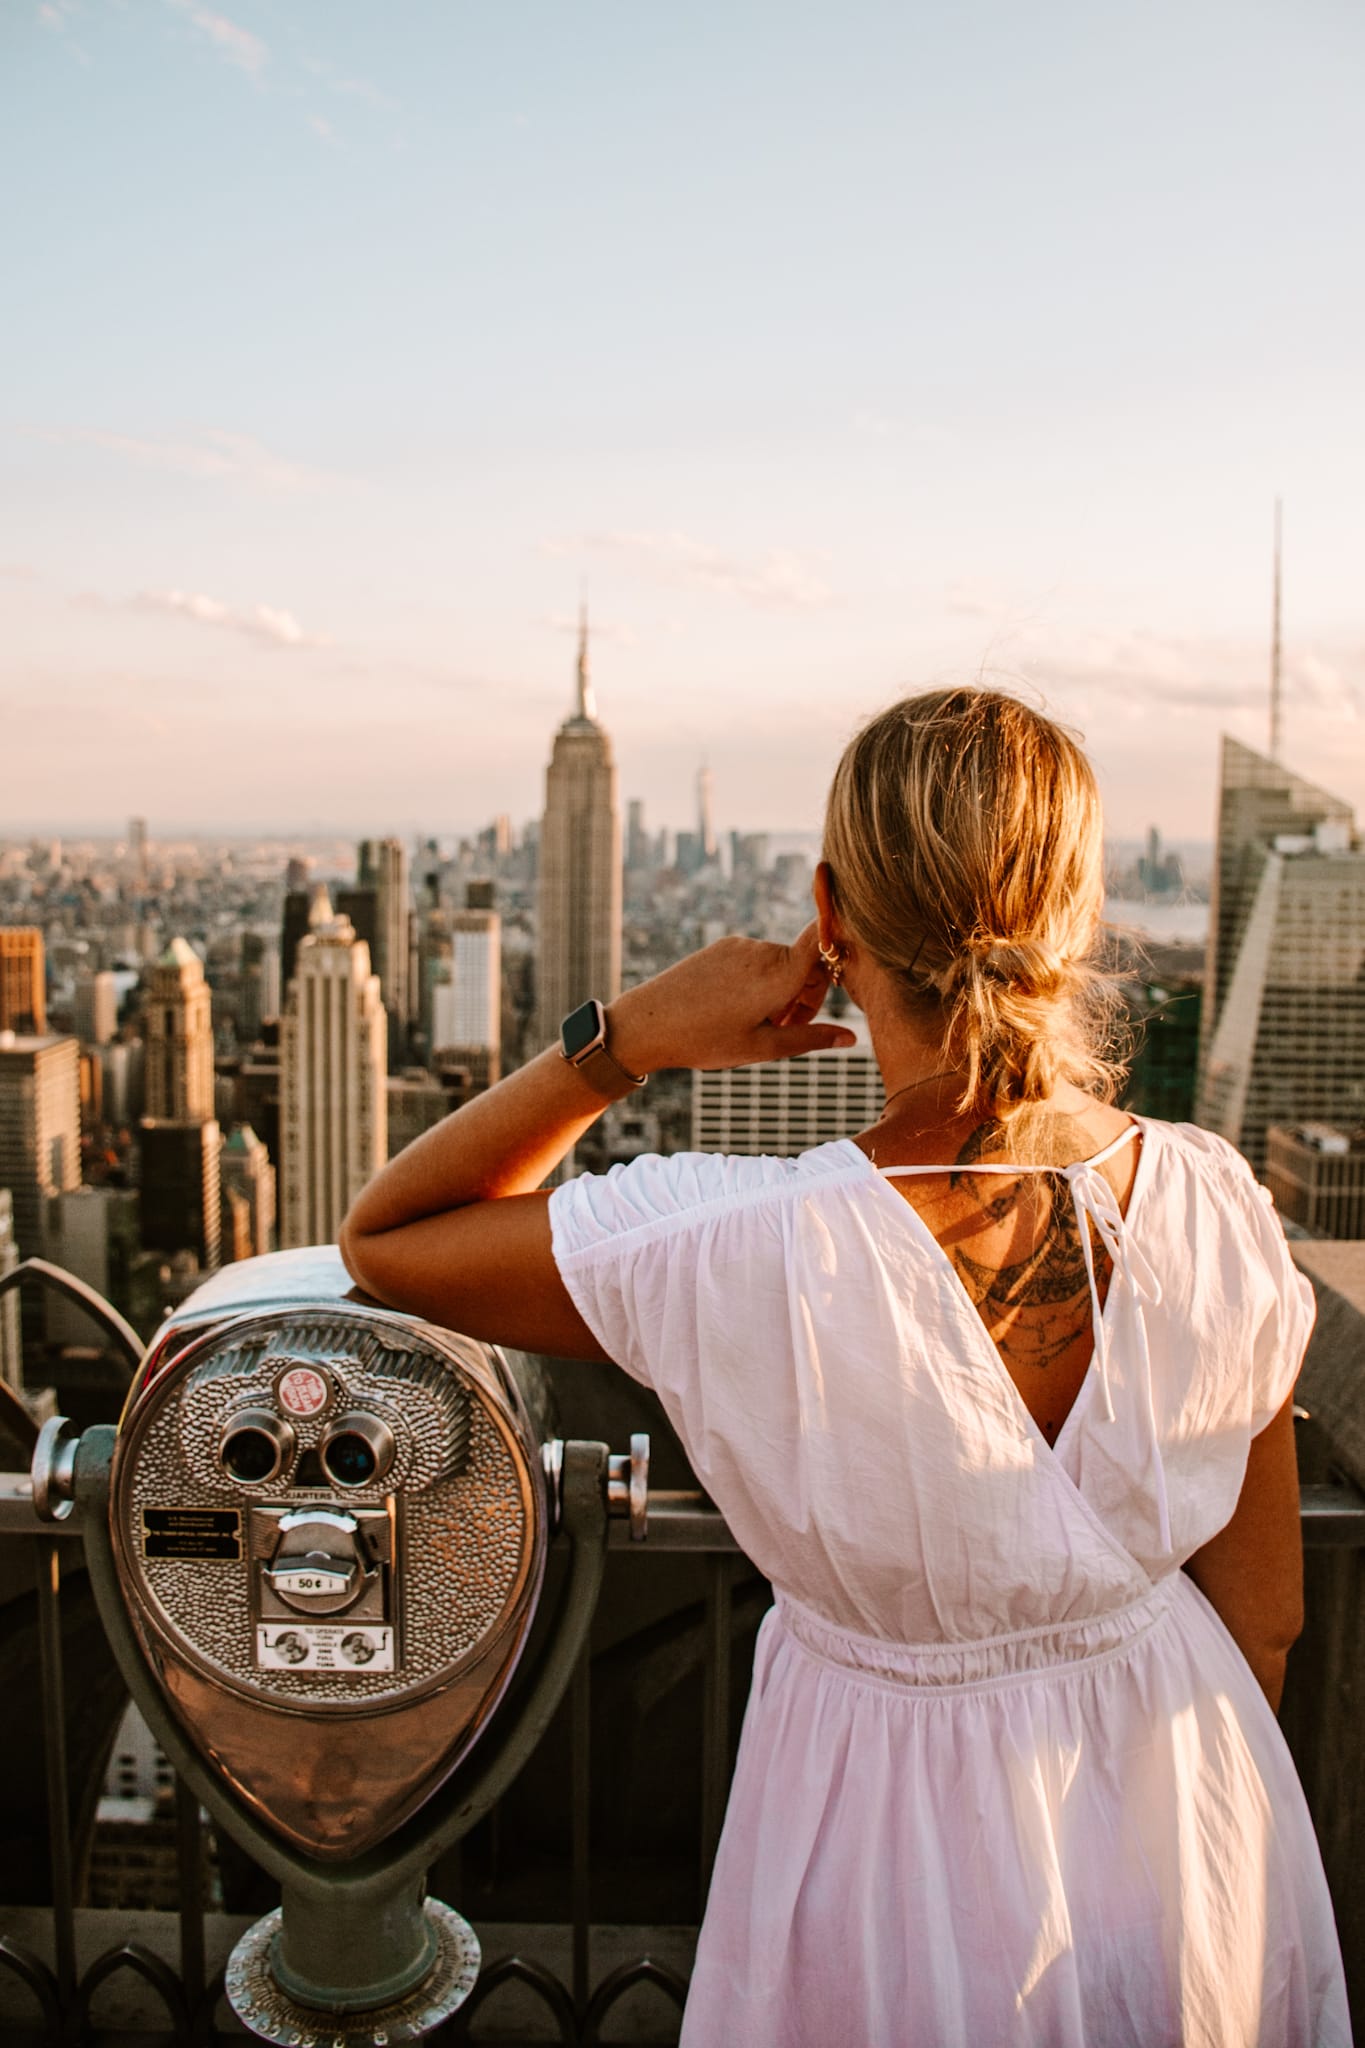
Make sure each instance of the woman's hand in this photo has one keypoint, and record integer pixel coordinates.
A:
(456, 1226)
(735, 1002)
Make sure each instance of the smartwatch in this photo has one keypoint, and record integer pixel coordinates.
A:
(583, 1043)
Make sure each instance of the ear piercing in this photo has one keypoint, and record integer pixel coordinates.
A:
(834, 964)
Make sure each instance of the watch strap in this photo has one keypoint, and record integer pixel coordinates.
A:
(606, 1075)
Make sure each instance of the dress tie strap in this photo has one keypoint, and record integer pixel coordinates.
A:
(1097, 1205)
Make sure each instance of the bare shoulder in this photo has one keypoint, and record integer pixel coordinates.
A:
(1061, 1132)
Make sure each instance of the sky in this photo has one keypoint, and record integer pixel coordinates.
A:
(836, 352)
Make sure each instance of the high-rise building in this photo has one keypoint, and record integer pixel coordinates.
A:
(1316, 1173)
(417, 1102)
(271, 990)
(137, 851)
(91, 1072)
(178, 1032)
(467, 1011)
(383, 868)
(236, 1226)
(495, 840)
(1259, 800)
(434, 954)
(781, 1107)
(40, 1129)
(639, 845)
(40, 1142)
(23, 997)
(1163, 995)
(11, 1350)
(688, 857)
(579, 902)
(748, 854)
(122, 1073)
(706, 831)
(361, 908)
(260, 985)
(180, 1180)
(95, 1234)
(1284, 1008)
(333, 1109)
(247, 1172)
(293, 928)
(96, 1008)
(305, 910)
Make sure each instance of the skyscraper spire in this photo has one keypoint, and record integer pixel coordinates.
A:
(706, 831)
(587, 703)
(1276, 714)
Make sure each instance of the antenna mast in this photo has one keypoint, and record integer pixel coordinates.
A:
(1276, 707)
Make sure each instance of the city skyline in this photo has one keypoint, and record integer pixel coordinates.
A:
(841, 356)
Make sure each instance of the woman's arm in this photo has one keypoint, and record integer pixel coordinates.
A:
(457, 1227)
(1252, 1571)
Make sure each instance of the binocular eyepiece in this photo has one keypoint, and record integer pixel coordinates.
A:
(258, 1447)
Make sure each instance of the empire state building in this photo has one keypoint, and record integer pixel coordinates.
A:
(580, 865)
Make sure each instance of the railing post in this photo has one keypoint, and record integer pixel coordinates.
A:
(189, 1870)
(48, 1578)
(580, 1776)
(715, 1754)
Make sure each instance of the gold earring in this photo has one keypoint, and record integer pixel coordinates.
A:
(834, 964)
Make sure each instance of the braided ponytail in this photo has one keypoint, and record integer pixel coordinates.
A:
(964, 837)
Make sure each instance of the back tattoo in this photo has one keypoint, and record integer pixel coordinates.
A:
(1037, 1305)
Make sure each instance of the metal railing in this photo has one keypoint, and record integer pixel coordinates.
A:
(578, 2008)
(1332, 1518)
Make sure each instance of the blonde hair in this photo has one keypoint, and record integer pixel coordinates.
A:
(965, 842)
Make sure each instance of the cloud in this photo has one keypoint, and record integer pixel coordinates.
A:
(1150, 670)
(213, 455)
(1145, 669)
(320, 127)
(1327, 686)
(56, 16)
(350, 88)
(263, 622)
(778, 580)
(228, 38)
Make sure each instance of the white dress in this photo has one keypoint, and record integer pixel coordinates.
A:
(1004, 1778)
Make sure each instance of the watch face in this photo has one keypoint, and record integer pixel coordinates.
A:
(580, 1028)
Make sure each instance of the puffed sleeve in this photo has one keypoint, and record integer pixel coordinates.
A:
(629, 1245)
(1267, 1307)
(1282, 1337)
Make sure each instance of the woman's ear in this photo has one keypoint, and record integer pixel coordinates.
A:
(826, 916)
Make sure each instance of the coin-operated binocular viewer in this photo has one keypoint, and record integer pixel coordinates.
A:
(318, 1542)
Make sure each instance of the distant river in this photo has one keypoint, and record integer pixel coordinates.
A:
(1187, 922)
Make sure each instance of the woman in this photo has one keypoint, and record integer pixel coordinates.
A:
(970, 1388)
